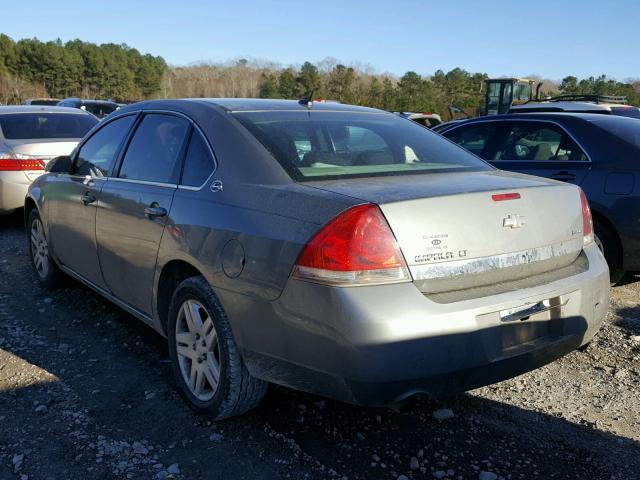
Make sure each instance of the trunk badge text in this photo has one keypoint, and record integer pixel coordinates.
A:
(513, 221)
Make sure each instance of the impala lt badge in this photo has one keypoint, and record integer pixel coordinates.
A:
(513, 221)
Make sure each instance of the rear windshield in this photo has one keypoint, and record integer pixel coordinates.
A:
(317, 145)
(100, 109)
(624, 128)
(45, 102)
(23, 126)
(633, 112)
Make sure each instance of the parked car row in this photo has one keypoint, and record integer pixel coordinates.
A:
(335, 249)
(99, 108)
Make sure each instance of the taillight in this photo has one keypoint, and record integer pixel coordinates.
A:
(587, 221)
(357, 247)
(16, 163)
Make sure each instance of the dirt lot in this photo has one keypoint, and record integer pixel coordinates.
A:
(86, 392)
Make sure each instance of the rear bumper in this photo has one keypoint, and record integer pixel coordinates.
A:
(13, 189)
(378, 345)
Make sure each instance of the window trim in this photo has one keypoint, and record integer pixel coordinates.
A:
(192, 126)
(196, 128)
(134, 129)
(97, 128)
(525, 120)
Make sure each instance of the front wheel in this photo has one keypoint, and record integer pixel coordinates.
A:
(46, 269)
(205, 360)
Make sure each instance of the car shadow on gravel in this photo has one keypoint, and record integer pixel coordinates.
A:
(628, 318)
(12, 222)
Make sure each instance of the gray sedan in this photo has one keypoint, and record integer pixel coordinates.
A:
(333, 249)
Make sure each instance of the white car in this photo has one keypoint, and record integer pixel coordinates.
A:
(607, 105)
(29, 137)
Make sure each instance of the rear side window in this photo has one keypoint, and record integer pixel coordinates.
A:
(473, 137)
(538, 141)
(23, 126)
(198, 163)
(97, 156)
(626, 129)
(155, 149)
(313, 145)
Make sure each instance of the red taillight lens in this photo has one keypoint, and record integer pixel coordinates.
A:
(14, 164)
(587, 221)
(356, 247)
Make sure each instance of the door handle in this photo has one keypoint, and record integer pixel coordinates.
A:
(564, 176)
(154, 210)
(87, 198)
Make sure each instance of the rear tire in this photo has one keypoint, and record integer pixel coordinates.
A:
(609, 245)
(207, 366)
(48, 273)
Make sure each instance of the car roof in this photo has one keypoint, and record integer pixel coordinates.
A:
(570, 106)
(551, 116)
(87, 100)
(41, 108)
(248, 104)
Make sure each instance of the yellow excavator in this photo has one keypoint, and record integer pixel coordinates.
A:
(502, 93)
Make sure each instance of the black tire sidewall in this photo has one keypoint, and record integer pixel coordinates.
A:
(191, 289)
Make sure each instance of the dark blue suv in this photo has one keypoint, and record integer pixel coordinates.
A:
(600, 153)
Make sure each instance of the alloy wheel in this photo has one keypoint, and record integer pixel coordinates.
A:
(39, 248)
(198, 350)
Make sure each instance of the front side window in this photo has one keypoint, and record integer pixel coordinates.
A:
(154, 152)
(474, 138)
(320, 144)
(198, 162)
(538, 141)
(98, 154)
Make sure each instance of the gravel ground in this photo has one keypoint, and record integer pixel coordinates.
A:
(86, 392)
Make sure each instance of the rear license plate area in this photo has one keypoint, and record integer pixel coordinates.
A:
(531, 323)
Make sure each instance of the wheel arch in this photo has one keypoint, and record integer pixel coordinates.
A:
(29, 205)
(172, 274)
(599, 217)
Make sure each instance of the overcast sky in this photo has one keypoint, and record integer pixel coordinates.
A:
(515, 38)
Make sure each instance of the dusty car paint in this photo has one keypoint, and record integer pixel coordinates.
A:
(354, 343)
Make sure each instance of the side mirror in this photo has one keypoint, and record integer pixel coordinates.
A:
(62, 164)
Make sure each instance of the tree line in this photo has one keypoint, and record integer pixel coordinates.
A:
(31, 68)
(76, 69)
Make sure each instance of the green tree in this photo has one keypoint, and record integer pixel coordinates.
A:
(268, 85)
(309, 81)
(287, 85)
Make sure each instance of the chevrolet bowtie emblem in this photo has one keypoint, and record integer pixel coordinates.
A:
(513, 221)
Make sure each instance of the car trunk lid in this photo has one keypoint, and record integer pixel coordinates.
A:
(42, 150)
(456, 232)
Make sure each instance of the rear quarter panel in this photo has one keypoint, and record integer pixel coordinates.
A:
(613, 188)
(245, 239)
